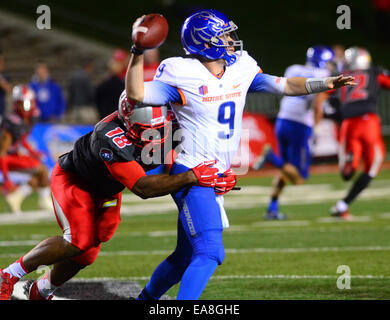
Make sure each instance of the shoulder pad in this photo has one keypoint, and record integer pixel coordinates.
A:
(109, 143)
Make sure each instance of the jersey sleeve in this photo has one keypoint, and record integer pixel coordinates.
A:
(164, 88)
(384, 80)
(383, 77)
(127, 173)
(160, 93)
(268, 84)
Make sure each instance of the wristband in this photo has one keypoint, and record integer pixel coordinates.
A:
(315, 85)
(134, 50)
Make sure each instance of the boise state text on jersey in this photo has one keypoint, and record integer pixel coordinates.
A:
(208, 107)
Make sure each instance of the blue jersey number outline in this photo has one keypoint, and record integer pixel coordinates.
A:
(227, 120)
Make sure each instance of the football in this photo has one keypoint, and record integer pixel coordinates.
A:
(151, 32)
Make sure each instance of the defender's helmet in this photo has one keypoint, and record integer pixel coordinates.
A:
(206, 32)
(24, 102)
(144, 124)
(357, 58)
(319, 56)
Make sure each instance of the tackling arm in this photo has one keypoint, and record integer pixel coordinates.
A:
(133, 176)
(162, 184)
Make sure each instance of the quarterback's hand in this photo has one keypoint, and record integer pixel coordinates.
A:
(135, 26)
(340, 81)
(207, 176)
(226, 182)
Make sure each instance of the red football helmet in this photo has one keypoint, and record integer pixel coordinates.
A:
(357, 58)
(24, 102)
(144, 124)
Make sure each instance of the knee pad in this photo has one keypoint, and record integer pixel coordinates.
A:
(218, 254)
(209, 243)
(179, 263)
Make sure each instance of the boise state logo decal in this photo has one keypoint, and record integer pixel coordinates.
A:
(203, 90)
(106, 154)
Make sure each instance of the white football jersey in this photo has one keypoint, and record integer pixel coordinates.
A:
(298, 108)
(211, 116)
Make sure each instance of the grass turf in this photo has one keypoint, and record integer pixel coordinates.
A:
(293, 259)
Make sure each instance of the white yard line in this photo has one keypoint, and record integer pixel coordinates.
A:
(234, 251)
(278, 224)
(18, 243)
(259, 276)
(293, 276)
(258, 250)
(249, 197)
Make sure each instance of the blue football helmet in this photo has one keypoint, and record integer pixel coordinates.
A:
(209, 33)
(319, 56)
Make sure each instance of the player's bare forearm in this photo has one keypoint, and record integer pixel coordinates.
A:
(299, 86)
(134, 81)
(295, 86)
(163, 184)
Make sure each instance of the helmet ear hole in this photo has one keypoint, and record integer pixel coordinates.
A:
(138, 118)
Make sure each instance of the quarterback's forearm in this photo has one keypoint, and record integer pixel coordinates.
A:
(134, 81)
(163, 184)
(295, 86)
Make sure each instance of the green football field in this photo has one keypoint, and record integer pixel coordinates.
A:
(294, 259)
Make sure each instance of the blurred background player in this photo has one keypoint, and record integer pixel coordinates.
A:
(15, 129)
(293, 129)
(360, 132)
(86, 186)
(80, 103)
(339, 58)
(49, 95)
(111, 87)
